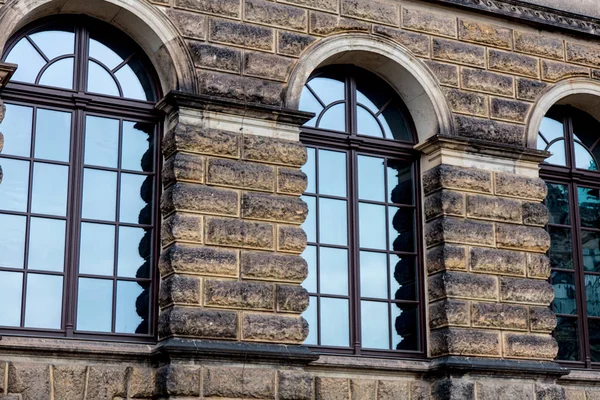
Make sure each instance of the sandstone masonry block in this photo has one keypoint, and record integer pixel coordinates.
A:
(182, 227)
(295, 385)
(498, 315)
(106, 382)
(446, 257)
(274, 328)
(530, 346)
(541, 45)
(488, 82)
(549, 392)
(581, 54)
(274, 208)
(462, 285)
(528, 291)
(492, 35)
(390, 390)
(238, 233)
(240, 34)
(326, 5)
(436, 24)
(183, 167)
(522, 237)
(542, 319)
(490, 390)
(198, 323)
(276, 151)
(189, 24)
(538, 266)
(236, 294)
(528, 89)
(449, 313)
(363, 389)
(453, 389)
(467, 102)
(535, 214)
(230, 8)
(510, 110)
(291, 239)
(331, 388)
(453, 177)
(327, 24)
(513, 63)
(464, 342)
(376, 11)
(241, 88)
(241, 174)
(457, 230)
(199, 198)
(179, 380)
(554, 71)
(292, 299)
(272, 266)
(198, 260)
(458, 52)
(446, 74)
(521, 187)
(292, 44)
(180, 289)
(291, 181)
(266, 12)
(417, 43)
(268, 66)
(215, 57)
(420, 390)
(493, 208)
(493, 261)
(485, 129)
(444, 202)
(196, 139)
(69, 381)
(248, 383)
(31, 380)
(142, 382)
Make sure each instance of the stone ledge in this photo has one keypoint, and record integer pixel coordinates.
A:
(449, 364)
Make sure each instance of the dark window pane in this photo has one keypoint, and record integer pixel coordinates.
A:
(53, 135)
(560, 252)
(59, 74)
(50, 186)
(395, 124)
(44, 301)
(310, 315)
(94, 305)
(592, 295)
(567, 336)
(11, 290)
(133, 307)
(97, 251)
(373, 99)
(405, 318)
(310, 224)
(100, 81)
(131, 85)
(585, 130)
(334, 118)
(403, 277)
(589, 207)
(372, 226)
(310, 255)
(101, 141)
(590, 242)
(594, 332)
(402, 229)
(134, 252)
(28, 59)
(310, 169)
(583, 158)
(16, 128)
(558, 204)
(15, 185)
(136, 198)
(375, 329)
(335, 322)
(564, 293)
(332, 173)
(334, 271)
(366, 123)
(12, 241)
(371, 178)
(54, 43)
(373, 275)
(400, 182)
(137, 153)
(99, 194)
(333, 224)
(46, 244)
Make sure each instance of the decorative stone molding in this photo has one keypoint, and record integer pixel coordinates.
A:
(6, 72)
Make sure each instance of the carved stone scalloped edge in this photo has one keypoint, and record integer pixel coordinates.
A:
(530, 12)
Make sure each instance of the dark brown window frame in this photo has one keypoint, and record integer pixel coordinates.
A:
(80, 103)
(354, 145)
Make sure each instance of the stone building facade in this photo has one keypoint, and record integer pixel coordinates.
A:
(477, 78)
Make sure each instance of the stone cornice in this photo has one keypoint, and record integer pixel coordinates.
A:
(6, 72)
(516, 9)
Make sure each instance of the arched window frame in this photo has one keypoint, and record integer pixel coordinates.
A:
(356, 144)
(81, 104)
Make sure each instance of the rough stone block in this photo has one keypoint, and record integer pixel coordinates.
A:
(241, 88)
(326, 5)
(292, 239)
(293, 44)
(541, 45)
(241, 174)
(182, 227)
(30, 380)
(198, 323)
(189, 24)
(198, 260)
(274, 208)
(453, 177)
(462, 285)
(453, 389)
(236, 294)
(69, 381)
(530, 346)
(444, 202)
(467, 102)
(215, 57)
(522, 237)
(363, 389)
(280, 15)
(292, 299)
(511, 110)
(457, 230)
(239, 233)
(391, 390)
(295, 385)
(485, 129)
(240, 34)
(3, 369)
(528, 291)
(332, 388)
(491, 390)
(420, 20)
(291, 181)
(195, 139)
(230, 8)
(417, 43)
(274, 328)
(179, 380)
(493, 208)
(497, 315)
(513, 63)
(142, 382)
(528, 89)
(183, 167)
(247, 383)
(106, 382)
(420, 390)
(275, 151)
(555, 71)
(446, 74)
(179, 289)
(464, 342)
(327, 24)
(272, 266)
(535, 214)
(199, 198)
(384, 13)
(488, 82)
(449, 313)
(542, 319)
(549, 392)
(267, 66)
(446, 257)
(492, 35)
(538, 266)
(581, 54)
(521, 187)
(493, 261)
(458, 52)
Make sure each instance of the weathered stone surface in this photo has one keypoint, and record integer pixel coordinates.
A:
(485, 129)
(519, 186)
(327, 24)
(493, 208)
(179, 289)
(493, 261)
(453, 389)
(522, 237)
(444, 202)
(530, 346)
(446, 74)
(580, 395)
(458, 52)
(195, 139)
(242, 88)
(549, 392)
(179, 380)
(498, 315)
(511, 110)
(272, 266)
(528, 291)
(581, 54)
(363, 389)
(555, 71)
(189, 24)
(247, 383)
(542, 319)
(446, 257)
(541, 45)
(199, 198)
(291, 239)
(241, 174)
(488, 82)
(492, 35)
(183, 167)
(230, 8)
(69, 381)
(30, 380)
(267, 66)
(457, 230)
(291, 181)
(417, 43)
(420, 390)
(182, 227)
(215, 57)
(198, 323)
(274, 328)
(276, 151)
(273, 208)
(198, 260)
(538, 266)
(293, 44)
(390, 390)
(453, 177)
(535, 214)
(292, 299)
(462, 285)
(238, 233)
(327, 5)
(295, 385)
(449, 313)
(142, 382)
(467, 102)
(492, 390)
(237, 33)
(332, 388)
(385, 13)
(420, 20)
(464, 342)
(106, 383)
(283, 16)
(514, 63)
(236, 294)
(528, 89)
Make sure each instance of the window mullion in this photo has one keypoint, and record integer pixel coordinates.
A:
(81, 51)
(354, 253)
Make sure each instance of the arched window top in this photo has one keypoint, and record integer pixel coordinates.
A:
(81, 55)
(352, 100)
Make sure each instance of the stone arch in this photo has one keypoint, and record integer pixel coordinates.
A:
(408, 75)
(145, 24)
(582, 93)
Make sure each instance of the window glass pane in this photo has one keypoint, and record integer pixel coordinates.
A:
(29, 60)
(585, 130)
(551, 128)
(54, 43)
(583, 158)
(99, 194)
(367, 124)
(101, 141)
(372, 226)
(405, 335)
(134, 252)
(309, 103)
(310, 255)
(594, 332)
(564, 293)
(12, 241)
(566, 334)
(46, 244)
(329, 89)
(592, 295)
(334, 118)
(137, 154)
(334, 271)
(136, 196)
(100, 81)
(590, 243)
(50, 186)
(589, 207)
(97, 251)
(104, 54)
(133, 301)
(16, 129)
(404, 277)
(333, 224)
(15, 185)
(310, 170)
(44, 301)
(310, 224)
(393, 120)
(561, 251)
(59, 74)
(94, 305)
(400, 183)
(364, 100)
(131, 85)
(558, 204)
(373, 275)
(335, 322)
(11, 290)
(375, 327)
(371, 179)
(402, 229)
(332, 173)
(310, 315)
(558, 156)
(53, 135)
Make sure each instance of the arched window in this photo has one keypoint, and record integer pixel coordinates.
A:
(363, 248)
(574, 225)
(77, 197)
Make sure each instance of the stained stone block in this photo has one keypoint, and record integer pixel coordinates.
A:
(510, 110)
(295, 385)
(417, 43)
(291, 239)
(293, 44)
(274, 151)
(384, 13)
(332, 388)
(198, 323)
(195, 139)
(453, 177)
(142, 382)
(491, 390)
(239, 233)
(241, 174)
(541, 45)
(494, 131)
(494, 261)
(291, 181)
(278, 208)
(327, 5)
(179, 380)
(457, 230)
(521, 187)
(488, 82)
(280, 15)
(538, 266)
(493, 208)
(528, 291)
(390, 390)
(464, 342)
(182, 227)
(230, 8)
(268, 66)
(462, 285)
(528, 89)
(31, 380)
(581, 54)
(69, 381)
(215, 57)
(522, 237)
(492, 35)
(444, 202)
(458, 52)
(183, 167)
(237, 33)
(189, 24)
(554, 71)
(106, 382)
(240, 295)
(446, 257)
(446, 74)
(199, 198)
(3, 368)
(530, 346)
(498, 315)
(467, 102)
(549, 392)
(535, 214)
(420, 390)
(438, 24)
(327, 24)
(363, 389)
(542, 319)
(240, 88)
(198, 260)
(247, 383)
(449, 313)
(180, 289)
(453, 389)
(274, 328)
(292, 299)
(272, 266)
(513, 63)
